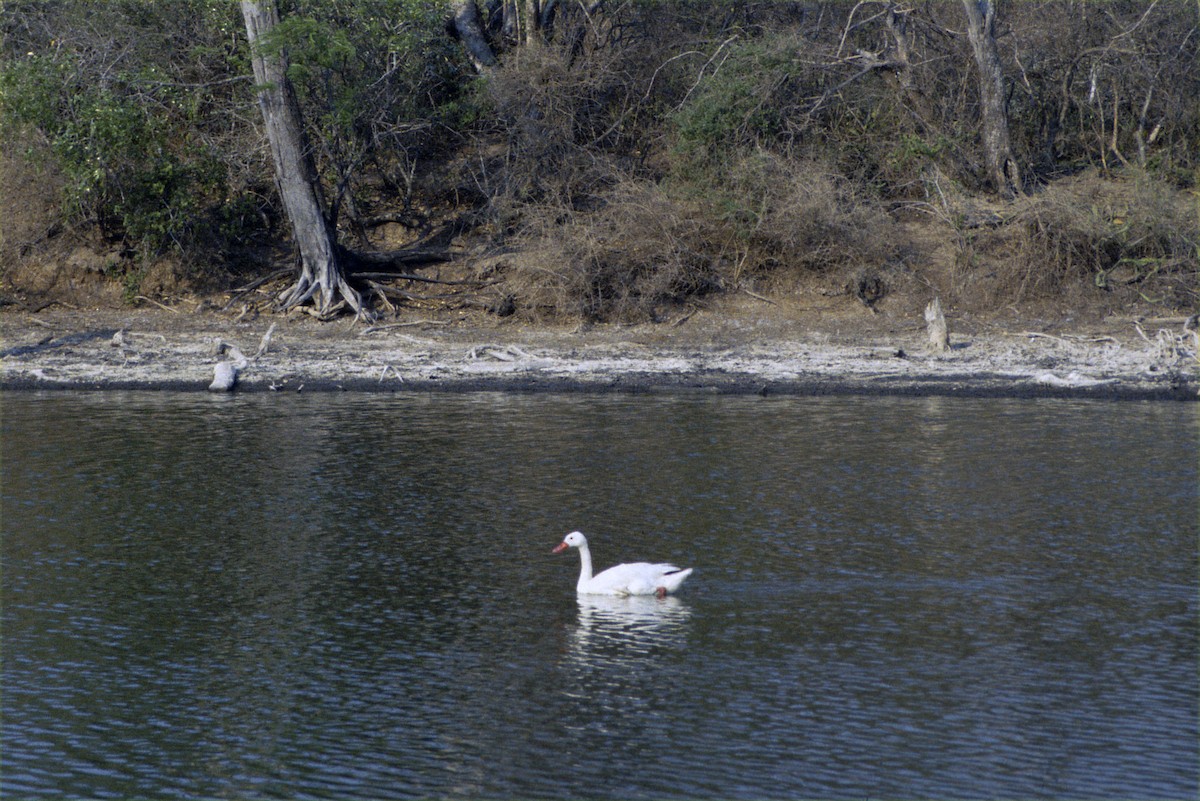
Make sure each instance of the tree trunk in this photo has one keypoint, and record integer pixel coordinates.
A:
(320, 271)
(532, 22)
(1002, 168)
(470, 32)
(900, 68)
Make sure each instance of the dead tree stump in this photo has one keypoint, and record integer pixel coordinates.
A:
(939, 336)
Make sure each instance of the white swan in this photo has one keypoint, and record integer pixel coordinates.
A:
(637, 578)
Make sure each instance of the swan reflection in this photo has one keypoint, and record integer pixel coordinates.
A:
(612, 629)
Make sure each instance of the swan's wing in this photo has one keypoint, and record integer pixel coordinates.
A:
(636, 578)
(617, 580)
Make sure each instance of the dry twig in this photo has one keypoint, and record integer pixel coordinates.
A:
(156, 303)
(374, 329)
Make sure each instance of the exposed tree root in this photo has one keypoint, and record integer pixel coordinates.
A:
(329, 300)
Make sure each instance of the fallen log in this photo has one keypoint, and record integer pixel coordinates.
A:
(420, 278)
(405, 256)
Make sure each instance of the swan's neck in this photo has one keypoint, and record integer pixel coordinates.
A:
(585, 569)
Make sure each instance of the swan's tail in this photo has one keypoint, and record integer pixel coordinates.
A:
(672, 580)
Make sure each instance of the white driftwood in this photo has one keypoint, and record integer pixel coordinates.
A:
(225, 373)
(939, 336)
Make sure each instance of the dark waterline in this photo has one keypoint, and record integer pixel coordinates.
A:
(968, 385)
(352, 596)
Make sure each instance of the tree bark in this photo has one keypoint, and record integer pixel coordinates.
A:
(1003, 172)
(321, 274)
(470, 32)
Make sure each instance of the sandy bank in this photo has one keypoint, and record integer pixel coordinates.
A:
(157, 350)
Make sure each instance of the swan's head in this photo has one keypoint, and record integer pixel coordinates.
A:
(573, 540)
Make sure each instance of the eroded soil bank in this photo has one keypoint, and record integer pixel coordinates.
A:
(759, 349)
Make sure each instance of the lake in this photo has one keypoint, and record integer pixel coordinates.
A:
(353, 596)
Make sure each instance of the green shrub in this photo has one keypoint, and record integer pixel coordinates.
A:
(745, 100)
(148, 107)
(125, 128)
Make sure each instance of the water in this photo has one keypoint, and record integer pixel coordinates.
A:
(353, 596)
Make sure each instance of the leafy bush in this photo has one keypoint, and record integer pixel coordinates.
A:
(746, 100)
(148, 107)
(729, 206)
(106, 88)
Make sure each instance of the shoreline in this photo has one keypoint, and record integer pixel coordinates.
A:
(650, 386)
(156, 351)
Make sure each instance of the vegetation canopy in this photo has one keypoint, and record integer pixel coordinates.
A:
(611, 161)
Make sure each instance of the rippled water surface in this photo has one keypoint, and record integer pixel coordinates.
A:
(353, 596)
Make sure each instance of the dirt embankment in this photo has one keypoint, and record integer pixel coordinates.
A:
(742, 345)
